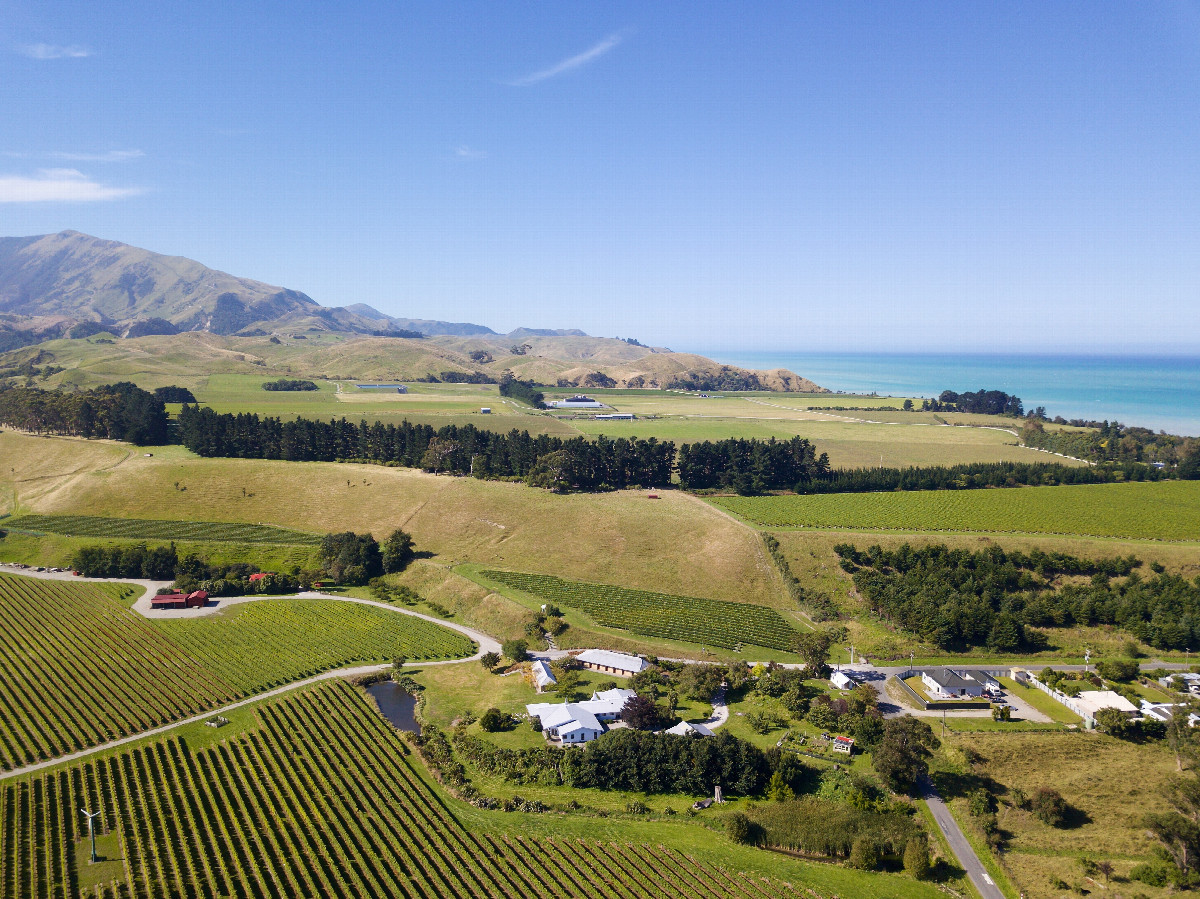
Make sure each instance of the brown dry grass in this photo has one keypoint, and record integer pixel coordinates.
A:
(673, 544)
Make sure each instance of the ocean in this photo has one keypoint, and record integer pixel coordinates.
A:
(1157, 392)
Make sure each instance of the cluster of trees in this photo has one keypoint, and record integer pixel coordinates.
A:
(288, 384)
(982, 402)
(749, 466)
(233, 579)
(634, 760)
(525, 391)
(958, 599)
(174, 394)
(356, 559)
(347, 558)
(968, 476)
(1114, 443)
(121, 411)
(452, 449)
(133, 560)
(399, 332)
(725, 378)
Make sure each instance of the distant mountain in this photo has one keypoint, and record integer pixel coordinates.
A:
(53, 281)
(71, 285)
(424, 325)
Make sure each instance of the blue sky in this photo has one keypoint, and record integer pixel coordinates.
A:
(780, 176)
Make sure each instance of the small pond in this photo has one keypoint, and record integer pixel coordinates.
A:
(397, 706)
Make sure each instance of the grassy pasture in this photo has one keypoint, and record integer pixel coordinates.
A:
(1168, 510)
(675, 544)
(1112, 783)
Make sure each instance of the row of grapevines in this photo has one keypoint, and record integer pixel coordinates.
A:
(709, 622)
(318, 802)
(79, 668)
(158, 529)
(262, 644)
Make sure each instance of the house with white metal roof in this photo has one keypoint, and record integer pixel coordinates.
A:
(842, 680)
(580, 722)
(948, 682)
(612, 662)
(543, 677)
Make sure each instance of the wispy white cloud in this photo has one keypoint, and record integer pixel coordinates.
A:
(59, 186)
(53, 51)
(571, 63)
(462, 151)
(110, 156)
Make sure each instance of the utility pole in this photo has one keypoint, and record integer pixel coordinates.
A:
(92, 831)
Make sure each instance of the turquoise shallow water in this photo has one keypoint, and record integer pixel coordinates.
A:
(1159, 392)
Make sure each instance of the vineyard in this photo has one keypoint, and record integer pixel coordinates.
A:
(258, 645)
(1167, 510)
(320, 801)
(78, 668)
(708, 622)
(157, 529)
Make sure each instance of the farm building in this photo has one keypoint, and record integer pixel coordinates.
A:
(579, 401)
(842, 680)
(686, 729)
(954, 683)
(616, 416)
(542, 676)
(399, 388)
(612, 662)
(197, 599)
(485, 410)
(579, 722)
(844, 745)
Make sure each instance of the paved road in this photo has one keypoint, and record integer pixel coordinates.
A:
(958, 843)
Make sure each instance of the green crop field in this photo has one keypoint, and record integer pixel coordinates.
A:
(78, 668)
(705, 622)
(262, 644)
(319, 801)
(156, 529)
(1169, 510)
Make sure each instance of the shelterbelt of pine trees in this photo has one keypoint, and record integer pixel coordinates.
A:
(581, 463)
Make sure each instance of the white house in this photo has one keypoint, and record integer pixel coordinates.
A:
(1165, 711)
(579, 722)
(686, 729)
(953, 683)
(842, 680)
(612, 662)
(543, 677)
